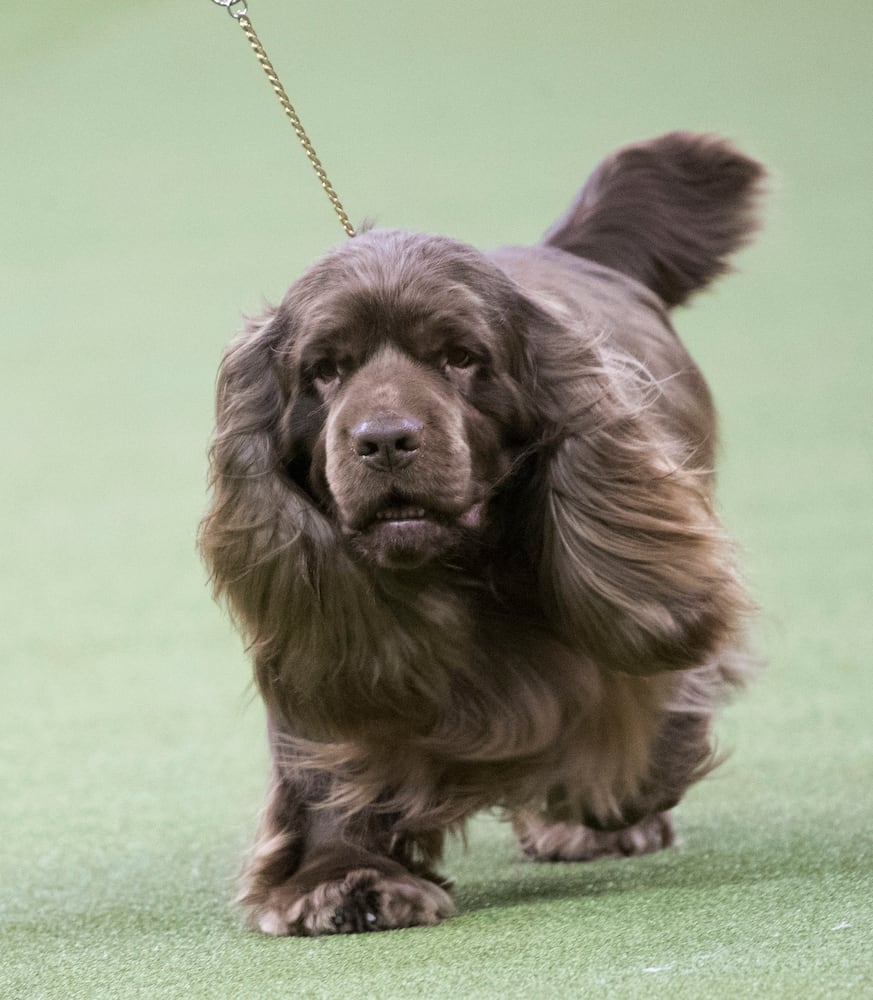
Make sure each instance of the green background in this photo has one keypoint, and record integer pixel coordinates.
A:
(150, 193)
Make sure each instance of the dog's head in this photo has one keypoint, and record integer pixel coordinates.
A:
(400, 367)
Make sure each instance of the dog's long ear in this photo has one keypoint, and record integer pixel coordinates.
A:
(263, 539)
(667, 212)
(254, 511)
(634, 568)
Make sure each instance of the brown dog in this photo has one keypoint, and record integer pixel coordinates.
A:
(462, 510)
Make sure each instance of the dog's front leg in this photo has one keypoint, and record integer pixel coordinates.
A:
(314, 870)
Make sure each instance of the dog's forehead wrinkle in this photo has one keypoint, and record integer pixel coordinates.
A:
(405, 304)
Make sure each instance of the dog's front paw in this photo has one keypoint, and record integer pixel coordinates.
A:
(364, 900)
(541, 840)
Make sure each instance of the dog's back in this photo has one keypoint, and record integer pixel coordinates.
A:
(654, 223)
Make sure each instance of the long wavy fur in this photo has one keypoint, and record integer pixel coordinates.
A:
(564, 660)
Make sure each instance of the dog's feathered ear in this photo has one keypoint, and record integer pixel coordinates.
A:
(273, 555)
(248, 510)
(634, 567)
(667, 212)
(254, 535)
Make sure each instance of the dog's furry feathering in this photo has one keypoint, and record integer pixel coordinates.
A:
(462, 512)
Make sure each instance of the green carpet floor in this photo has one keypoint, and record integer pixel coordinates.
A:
(150, 193)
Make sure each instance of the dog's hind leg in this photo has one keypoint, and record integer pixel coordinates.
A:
(567, 829)
(542, 839)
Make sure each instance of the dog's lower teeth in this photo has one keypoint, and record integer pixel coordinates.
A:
(401, 514)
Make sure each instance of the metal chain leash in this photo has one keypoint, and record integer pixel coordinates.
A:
(238, 10)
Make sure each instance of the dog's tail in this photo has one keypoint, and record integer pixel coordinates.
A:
(667, 212)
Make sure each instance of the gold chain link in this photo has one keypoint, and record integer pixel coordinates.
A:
(239, 12)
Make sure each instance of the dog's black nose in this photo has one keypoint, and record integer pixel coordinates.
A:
(387, 443)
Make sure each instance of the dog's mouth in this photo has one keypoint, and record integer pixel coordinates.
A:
(405, 533)
(401, 513)
(402, 509)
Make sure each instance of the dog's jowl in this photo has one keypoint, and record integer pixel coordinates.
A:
(462, 512)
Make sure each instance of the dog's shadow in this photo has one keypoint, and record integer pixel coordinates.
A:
(704, 866)
(527, 882)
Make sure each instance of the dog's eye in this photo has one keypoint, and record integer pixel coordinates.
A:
(325, 370)
(458, 357)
